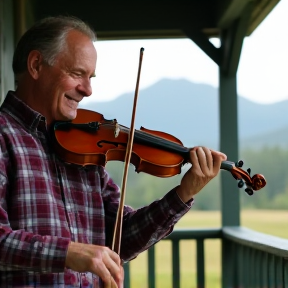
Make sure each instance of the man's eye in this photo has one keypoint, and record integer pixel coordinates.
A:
(77, 74)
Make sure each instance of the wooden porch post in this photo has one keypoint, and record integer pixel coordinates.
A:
(6, 47)
(229, 144)
(231, 46)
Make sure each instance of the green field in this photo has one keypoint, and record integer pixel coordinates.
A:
(273, 222)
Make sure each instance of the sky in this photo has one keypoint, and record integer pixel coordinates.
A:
(262, 72)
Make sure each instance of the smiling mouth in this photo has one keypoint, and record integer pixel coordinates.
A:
(71, 99)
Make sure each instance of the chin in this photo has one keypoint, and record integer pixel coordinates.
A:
(68, 116)
(71, 114)
(71, 117)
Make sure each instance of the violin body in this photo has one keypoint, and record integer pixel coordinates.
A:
(108, 143)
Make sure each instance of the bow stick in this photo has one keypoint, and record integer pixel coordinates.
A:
(116, 243)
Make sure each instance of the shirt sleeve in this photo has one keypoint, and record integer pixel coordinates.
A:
(146, 226)
(143, 227)
(21, 250)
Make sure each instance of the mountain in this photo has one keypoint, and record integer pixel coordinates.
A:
(189, 111)
(277, 138)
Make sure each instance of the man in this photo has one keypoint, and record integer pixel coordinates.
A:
(56, 218)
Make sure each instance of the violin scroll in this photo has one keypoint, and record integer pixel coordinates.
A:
(254, 183)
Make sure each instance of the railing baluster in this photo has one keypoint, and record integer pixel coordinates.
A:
(200, 264)
(252, 261)
(240, 262)
(265, 270)
(151, 268)
(271, 272)
(258, 271)
(279, 272)
(246, 278)
(126, 267)
(285, 272)
(175, 264)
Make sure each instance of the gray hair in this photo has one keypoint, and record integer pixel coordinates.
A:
(48, 37)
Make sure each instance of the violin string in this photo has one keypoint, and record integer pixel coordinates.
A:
(158, 141)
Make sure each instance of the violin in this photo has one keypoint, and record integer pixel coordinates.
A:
(90, 139)
(99, 140)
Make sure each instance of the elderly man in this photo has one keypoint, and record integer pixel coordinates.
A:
(56, 218)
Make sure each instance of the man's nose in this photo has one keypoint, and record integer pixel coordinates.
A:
(84, 88)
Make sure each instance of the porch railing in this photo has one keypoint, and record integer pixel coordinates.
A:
(255, 260)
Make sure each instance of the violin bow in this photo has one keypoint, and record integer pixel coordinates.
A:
(116, 243)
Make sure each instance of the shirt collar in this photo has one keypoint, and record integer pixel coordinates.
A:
(22, 113)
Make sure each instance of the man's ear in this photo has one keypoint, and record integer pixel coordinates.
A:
(34, 63)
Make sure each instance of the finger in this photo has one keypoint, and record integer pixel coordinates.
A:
(108, 280)
(114, 256)
(194, 159)
(205, 159)
(113, 264)
(104, 274)
(218, 157)
(111, 283)
(107, 285)
(222, 155)
(114, 284)
(117, 281)
(209, 157)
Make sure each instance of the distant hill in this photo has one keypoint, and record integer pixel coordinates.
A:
(277, 138)
(189, 111)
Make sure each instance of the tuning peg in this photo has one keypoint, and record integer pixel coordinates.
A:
(249, 171)
(240, 183)
(239, 164)
(249, 191)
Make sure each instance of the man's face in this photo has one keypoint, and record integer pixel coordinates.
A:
(64, 84)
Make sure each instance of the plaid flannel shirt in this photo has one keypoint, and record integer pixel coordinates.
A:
(46, 203)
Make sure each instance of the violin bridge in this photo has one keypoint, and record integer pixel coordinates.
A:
(117, 130)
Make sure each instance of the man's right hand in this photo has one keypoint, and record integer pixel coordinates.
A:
(99, 260)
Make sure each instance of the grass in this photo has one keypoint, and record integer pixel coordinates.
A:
(273, 222)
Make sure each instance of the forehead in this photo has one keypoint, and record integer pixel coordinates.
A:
(78, 49)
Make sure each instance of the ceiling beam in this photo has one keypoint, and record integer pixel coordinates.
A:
(202, 41)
